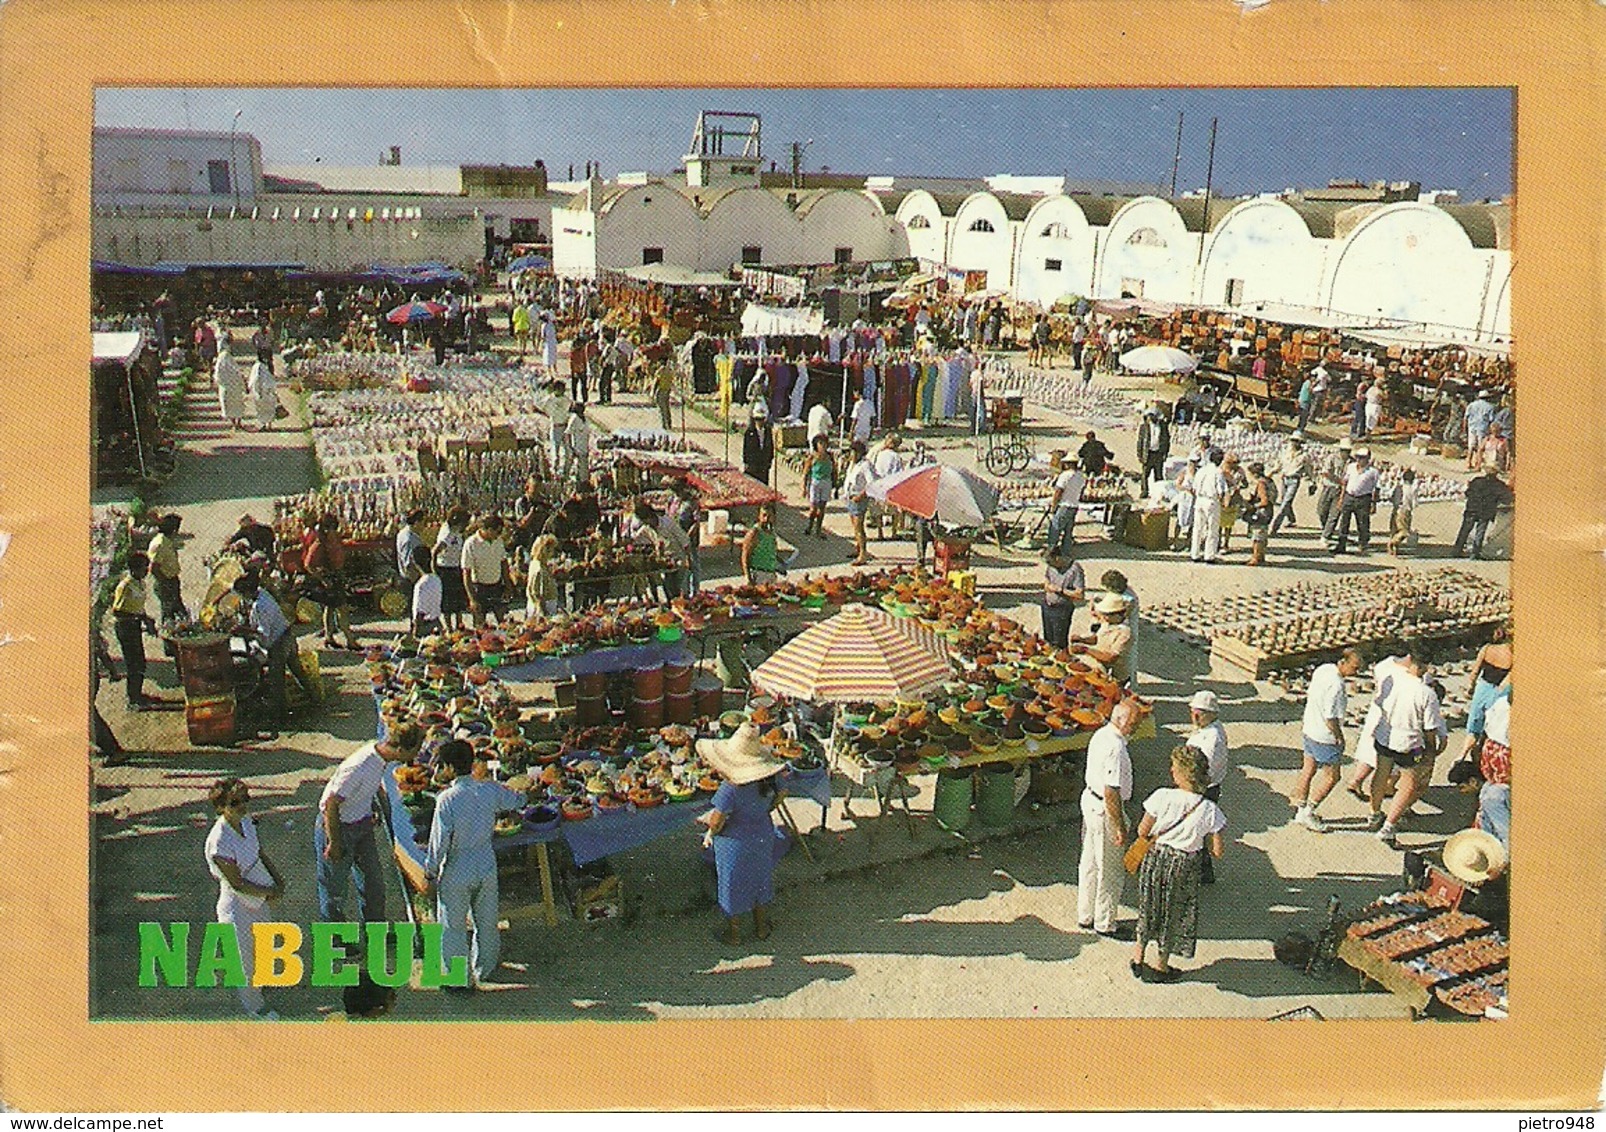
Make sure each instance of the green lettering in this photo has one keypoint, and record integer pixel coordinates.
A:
(436, 972)
(168, 956)
(220, 954)
(325, 951)
(378, 967)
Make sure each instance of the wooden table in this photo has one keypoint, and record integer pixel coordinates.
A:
(1390, 976)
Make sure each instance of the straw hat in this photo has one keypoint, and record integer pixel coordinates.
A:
(1109, 603)
(739, 759)
(1205, 700)
(1474, 856)
(1345, 443)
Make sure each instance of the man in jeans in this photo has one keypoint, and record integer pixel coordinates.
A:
(345, 832)
(1486, 493)
(276, 635)
(1064, 584)
(1293, 468)
(1360, 498)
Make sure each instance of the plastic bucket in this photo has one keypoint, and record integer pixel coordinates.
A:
(995, 799)
(679, 709)
(951, 804)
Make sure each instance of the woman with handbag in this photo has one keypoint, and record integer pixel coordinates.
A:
(1262, 501)
(1178, 827)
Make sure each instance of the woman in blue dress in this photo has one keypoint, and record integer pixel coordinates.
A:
(740, 829)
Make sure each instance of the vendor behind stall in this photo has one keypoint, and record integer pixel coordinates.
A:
(1111, 642)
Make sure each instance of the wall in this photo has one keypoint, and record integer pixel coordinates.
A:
(1266, 245)
(992, 252)
(748, 217)
(651, 215)
(1148, 243)
(1071, 243)
(929, 241)
(159, 167)
(849, 219)
(574, 243)
(320, 245)
(1412, 261)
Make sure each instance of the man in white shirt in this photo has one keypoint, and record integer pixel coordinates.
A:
(819, 423)
(345, 832)
(485, 571)
(1068, 485)
(1323, 733)
(577, 445)
(863, 419)
(1209, 488)
(1410, 734)
(558, 411)
(1293, 468)
(1101, 874)
(1360, 500)
(1209, 738)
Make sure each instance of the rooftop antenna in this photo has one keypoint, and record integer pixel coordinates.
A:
(1176, 162)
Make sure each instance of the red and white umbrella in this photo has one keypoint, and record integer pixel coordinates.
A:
(954, 497)
(860, 654)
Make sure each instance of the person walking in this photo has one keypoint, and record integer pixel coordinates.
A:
(230, 388)
(1209, 738)
(819, 481)
(1374, 406)
(1402, 512)
(540, 583)
(663, 380)
(577, 445)
(579, 366)
(1293, 468)
(1486, 494)
(557, 411)
(888, 461)
(1360, 500)
(427, 595)
(856, 493)
(863, 418)
(344, 834)
(519, 321)
(549, 343)
(1154, 444)
(130, 623)
(1479, 413)
(407, 541)
(1184, 504)
(1307, 401)
(1491, 678)
(1186, 828)
(248, 881)
(1100, 874)
(265, 394)
(1209, 491)
(1064, 586)
(1232, 503)
(1330, 476)
(1357, 421)
(1322, 735)
(461, 863)
(1260, 498)
(1410, 734)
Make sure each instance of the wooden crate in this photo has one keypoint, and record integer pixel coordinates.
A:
(210, 722)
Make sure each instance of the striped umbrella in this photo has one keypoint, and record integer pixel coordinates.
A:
(953, 496)
(415, 312)
(860, 654)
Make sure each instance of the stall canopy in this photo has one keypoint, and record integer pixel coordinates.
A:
(860, 654)
(760, 319)
(419, 275)
(955, 497)
(120, 346)
(672, 275)
(106, 267)
(1158, 359)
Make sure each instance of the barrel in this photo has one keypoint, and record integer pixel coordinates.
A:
(210, 721)
(951, 805)
(591, 685)
(680, 709)
(649, 682)
(205, 665)
(710, 695)
(647, 714)
(995, 800)
(677, 679)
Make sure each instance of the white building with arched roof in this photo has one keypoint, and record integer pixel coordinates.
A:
(849, 227)
(1265, 251)
(1055, 257)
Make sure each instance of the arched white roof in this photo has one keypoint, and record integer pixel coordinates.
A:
(1147, 249)
(1261, 250)
(1409, 261)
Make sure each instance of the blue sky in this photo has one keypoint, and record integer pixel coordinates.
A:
(1268, 139)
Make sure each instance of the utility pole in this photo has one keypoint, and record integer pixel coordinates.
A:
(797, 165)
(1210, 170)
(1176, 162)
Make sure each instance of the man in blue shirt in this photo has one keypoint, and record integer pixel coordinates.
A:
(273, 630)
(1479, 413)
(462, 862)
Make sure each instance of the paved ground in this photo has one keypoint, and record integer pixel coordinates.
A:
(884, 922)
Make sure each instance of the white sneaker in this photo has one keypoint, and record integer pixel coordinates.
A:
(1306, 817)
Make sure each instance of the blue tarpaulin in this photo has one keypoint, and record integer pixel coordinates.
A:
(621, 659)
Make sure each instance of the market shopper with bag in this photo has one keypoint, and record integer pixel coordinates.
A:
(1180, 826)
(741, 832)
(247, 880)
(1100, 875)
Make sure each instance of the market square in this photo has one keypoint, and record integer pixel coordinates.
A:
(657, 628)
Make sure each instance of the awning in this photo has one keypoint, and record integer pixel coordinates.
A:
(120, 346)
(673, 275)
